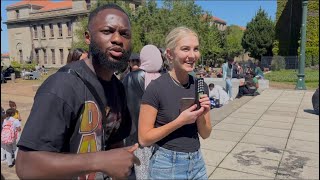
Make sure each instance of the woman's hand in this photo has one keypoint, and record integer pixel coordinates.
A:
(205, 103)
(190, 115)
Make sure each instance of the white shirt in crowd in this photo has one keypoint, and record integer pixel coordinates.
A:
(218, 93)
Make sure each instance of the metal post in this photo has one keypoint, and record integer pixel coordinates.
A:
(301, 81)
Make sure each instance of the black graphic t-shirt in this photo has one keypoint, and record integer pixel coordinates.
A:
(65, 116)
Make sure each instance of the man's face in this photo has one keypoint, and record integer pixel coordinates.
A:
(110, 39)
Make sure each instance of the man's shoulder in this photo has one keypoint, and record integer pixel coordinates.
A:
(59, 82)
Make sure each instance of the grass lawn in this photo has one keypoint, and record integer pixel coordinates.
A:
(290, 77)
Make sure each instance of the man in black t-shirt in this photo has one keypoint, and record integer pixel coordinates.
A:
(62, 136)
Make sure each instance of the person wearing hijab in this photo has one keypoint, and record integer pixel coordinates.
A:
(135, 84)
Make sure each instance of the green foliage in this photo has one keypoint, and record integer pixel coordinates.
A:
(16, 65)
(312, 44)
(150, 25)
(291, 75)
(233, 39)
(288, 26)
(79, 34)
(29, 67)
(278, 63)
(259, 36)
(275, 49)
(312, 56)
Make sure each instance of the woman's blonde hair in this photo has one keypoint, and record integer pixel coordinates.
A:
(173, 37)
(177, 34)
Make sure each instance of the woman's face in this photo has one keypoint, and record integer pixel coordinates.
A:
(186, 53)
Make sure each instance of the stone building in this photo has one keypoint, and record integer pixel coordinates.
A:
(219, 23)
(5, 59)
(43, 30)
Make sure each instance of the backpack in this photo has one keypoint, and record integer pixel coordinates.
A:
(8, 133)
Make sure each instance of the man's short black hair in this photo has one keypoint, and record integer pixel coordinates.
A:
(211, 85)
(229, 59)
(95, 12)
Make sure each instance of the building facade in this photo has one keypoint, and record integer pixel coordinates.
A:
(219, 23)
(43, 31)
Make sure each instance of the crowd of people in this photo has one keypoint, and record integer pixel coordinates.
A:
(10, 132)
(100, 125)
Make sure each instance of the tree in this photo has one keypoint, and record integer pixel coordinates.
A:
(150, 25)
(259, 36)
(233, 39)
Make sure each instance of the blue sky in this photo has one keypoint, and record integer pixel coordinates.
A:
(238, 12)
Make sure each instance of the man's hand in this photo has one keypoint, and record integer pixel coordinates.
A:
(117, 163)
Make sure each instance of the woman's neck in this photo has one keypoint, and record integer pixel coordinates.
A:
(179, 76)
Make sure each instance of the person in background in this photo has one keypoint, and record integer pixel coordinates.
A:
(239, 70)
(76, 54)
(173, 131)
(249, 87)
(13, 105)
(135, 84)
(227, 70)
(258, 72)
(133, 65)
(3, 153)
(10, 128)
(217, 92)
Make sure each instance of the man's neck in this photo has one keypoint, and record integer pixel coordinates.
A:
(102, 73)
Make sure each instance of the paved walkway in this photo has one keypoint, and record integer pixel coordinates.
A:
(271, 136)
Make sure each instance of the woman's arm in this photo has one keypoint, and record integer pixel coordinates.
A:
(149, 135)
(204, 125)
(203, 121)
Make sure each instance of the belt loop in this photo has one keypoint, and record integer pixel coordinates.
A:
(154, 149)
(174, 156)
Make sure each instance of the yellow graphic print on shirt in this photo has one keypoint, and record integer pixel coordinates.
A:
(90, 130)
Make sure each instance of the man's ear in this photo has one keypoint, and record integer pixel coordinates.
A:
(87, 37)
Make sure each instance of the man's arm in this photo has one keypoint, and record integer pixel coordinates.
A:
(47, 165)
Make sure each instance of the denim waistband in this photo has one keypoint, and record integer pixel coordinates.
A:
(176, 154)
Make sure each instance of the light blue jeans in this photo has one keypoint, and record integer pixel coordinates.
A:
(167, 164)
(229, 87)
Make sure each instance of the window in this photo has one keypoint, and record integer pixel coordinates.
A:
(43, 30)
(45, 57)
(17, 14)
(69, 25)
(35, 32)
(61, 55)
(51, 30)
(88, 4)
(36, 52)
(20, 56)
(53, 56)
(60, 29)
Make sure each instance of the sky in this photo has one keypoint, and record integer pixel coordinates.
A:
(234, 12)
